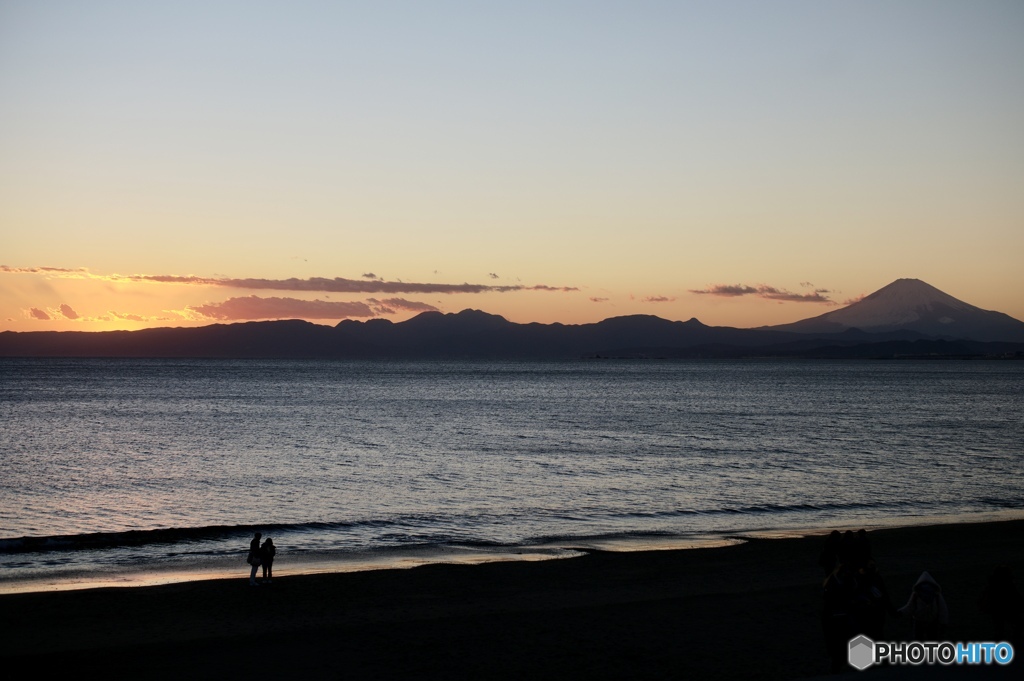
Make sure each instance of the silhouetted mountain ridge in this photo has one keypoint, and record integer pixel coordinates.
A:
(913, 305)
(480, 335)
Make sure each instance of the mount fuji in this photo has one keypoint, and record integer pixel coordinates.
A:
(913, 305)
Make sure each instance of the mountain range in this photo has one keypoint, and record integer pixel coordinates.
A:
(913, 305)
(907, 318)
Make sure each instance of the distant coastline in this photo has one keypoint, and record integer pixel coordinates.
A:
(473, 334)
(907, 319)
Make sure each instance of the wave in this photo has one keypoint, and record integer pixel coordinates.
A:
(107, 540)
(1003, 503)
(436, 529)
(139, 538)
(759, 509)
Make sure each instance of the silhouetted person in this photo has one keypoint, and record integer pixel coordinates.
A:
(267, 553)
(253, 558)
(829, 556)
(837, 615)
(928, 608)
(1004, 606)
(848, 550)
(873, 602)
(861, 549)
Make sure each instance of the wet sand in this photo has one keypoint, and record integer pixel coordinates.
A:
(751, 610)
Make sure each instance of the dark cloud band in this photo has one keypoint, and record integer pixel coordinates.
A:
(369, 284)
(254, 307)
(766, 292)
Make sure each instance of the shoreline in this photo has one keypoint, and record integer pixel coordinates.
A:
(749, 609)
(310, 563)
(393, 558)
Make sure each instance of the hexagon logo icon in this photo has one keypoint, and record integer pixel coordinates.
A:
(862, 652)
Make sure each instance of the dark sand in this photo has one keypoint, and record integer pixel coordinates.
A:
(746, 611)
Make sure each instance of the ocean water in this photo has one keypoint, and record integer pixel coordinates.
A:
(114, 468)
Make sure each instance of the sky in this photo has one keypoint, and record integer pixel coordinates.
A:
(744, 163)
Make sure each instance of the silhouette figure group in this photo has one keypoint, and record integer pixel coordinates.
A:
(261, 556)
(856, 601)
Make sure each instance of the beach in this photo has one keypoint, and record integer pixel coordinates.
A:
(748, 610)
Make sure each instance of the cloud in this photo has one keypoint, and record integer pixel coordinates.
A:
(392, 304)
(53, 313)
(538, 287)
(807, 284)
(254, 307)
(599, 300)
(41, 270)
(855, 299)
(310, 285)
(657, 299)
(341, 285)
(765, 291)
(492, 275)
(66, 312)
(772, 293)
(137, 317)
(726, 290)
(129, 317)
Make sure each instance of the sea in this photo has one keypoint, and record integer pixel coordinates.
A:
(138, 471)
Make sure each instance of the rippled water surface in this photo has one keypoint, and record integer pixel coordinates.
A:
(122, 462)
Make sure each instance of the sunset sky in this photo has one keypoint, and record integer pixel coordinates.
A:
(184, 163)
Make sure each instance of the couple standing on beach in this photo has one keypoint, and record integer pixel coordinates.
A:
(261, 555)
